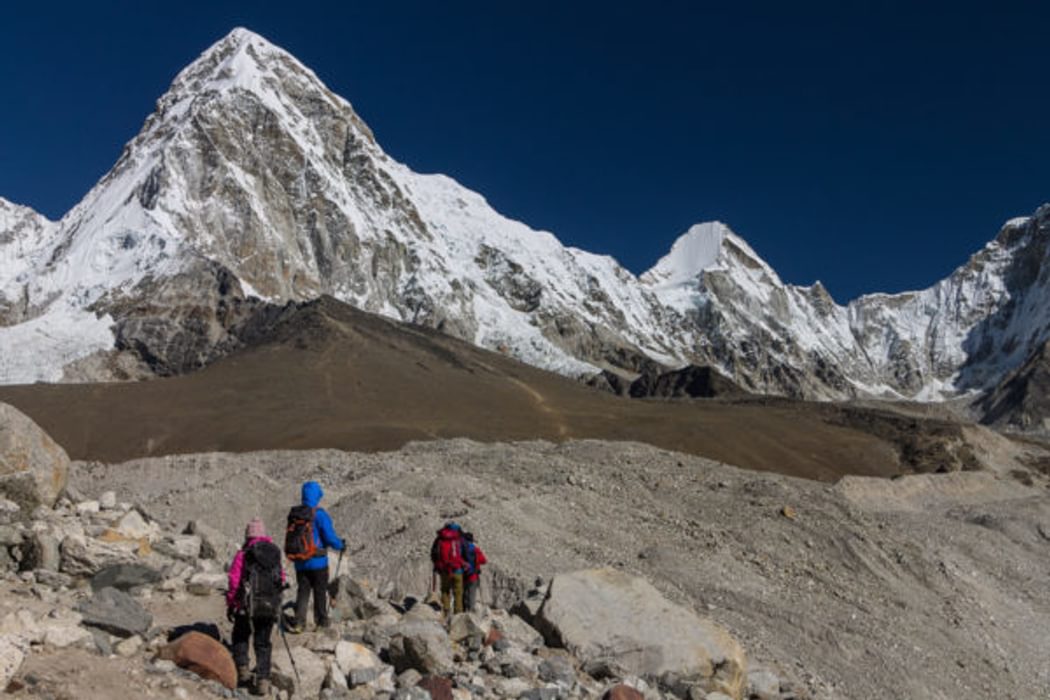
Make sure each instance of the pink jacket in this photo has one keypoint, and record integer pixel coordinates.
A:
(237, 570)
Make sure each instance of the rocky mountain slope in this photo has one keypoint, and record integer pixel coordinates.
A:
(925, 586)
(324, 374)
(252, 185)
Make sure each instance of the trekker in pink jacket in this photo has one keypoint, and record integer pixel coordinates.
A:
(253, 603)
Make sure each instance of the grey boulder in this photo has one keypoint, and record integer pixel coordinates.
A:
(115, 612)
(607, 616)
(33, 468)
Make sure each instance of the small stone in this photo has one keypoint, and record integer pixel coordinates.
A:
(128, 647)
(622, 692)
(53, 579)
(789, 512)
(88, 507)
(205, 584)
(440, 688)
(103, 644)
(763, 684)
(108, 500)
(409, 678)
(133, 526)
(557, 669)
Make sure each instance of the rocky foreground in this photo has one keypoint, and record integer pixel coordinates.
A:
(928, 586)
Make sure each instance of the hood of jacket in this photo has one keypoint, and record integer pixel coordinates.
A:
(312, 494)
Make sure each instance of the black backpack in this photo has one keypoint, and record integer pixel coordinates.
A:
(261, 585)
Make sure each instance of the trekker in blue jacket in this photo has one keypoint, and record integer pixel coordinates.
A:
(312, 574)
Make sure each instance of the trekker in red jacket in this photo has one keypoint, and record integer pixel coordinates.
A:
(473, 559)
(446, 556)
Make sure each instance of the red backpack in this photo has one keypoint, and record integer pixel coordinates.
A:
(447, 553)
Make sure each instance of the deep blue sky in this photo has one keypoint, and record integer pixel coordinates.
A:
(873, 146)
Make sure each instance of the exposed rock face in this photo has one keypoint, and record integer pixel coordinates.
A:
(605, 615)
(1022, 399)
(33, 468)
(688, 382)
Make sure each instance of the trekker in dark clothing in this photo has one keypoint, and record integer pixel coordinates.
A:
(253, 601)
(311, 575)
(473, 560)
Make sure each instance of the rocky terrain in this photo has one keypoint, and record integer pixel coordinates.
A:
(926, 586)
(252, 185)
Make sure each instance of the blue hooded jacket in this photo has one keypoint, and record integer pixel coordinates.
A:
(324, 533)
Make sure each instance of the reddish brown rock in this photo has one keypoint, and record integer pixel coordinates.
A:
(622, 692)
(203, 655)
(493, 636)
(438, 687)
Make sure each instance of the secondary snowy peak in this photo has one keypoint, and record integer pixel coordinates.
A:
(696, 250)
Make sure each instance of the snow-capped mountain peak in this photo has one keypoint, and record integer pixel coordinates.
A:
(696, 250)
(253, 179)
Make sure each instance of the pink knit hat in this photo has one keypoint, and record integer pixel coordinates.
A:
(255, 529)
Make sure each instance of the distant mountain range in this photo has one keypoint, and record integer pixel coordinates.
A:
(253, 185)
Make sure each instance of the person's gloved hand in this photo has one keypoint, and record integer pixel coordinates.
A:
(231, 614)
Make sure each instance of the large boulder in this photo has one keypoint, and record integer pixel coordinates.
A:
(124, 577)
(203, 655)
(33, 468)
(85, 556)
(423, 645)
(115, 612)
(609, 617)
(357, 663)
(312, 672)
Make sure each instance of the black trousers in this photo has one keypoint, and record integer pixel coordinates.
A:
(315, 581)
(258, 630)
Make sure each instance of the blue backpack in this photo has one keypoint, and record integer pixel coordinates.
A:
(470, 556)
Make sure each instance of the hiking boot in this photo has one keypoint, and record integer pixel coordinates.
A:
(262, 687)
(295, 628)
(244, 676)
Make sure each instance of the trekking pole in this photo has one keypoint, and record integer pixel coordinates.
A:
(298, 680)
(333, 588)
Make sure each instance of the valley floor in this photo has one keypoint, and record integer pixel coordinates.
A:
(927, 586)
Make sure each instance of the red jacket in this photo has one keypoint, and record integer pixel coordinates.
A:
(479, 559)
(237, 570)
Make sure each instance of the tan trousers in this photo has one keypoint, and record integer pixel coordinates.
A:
(452, 585)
